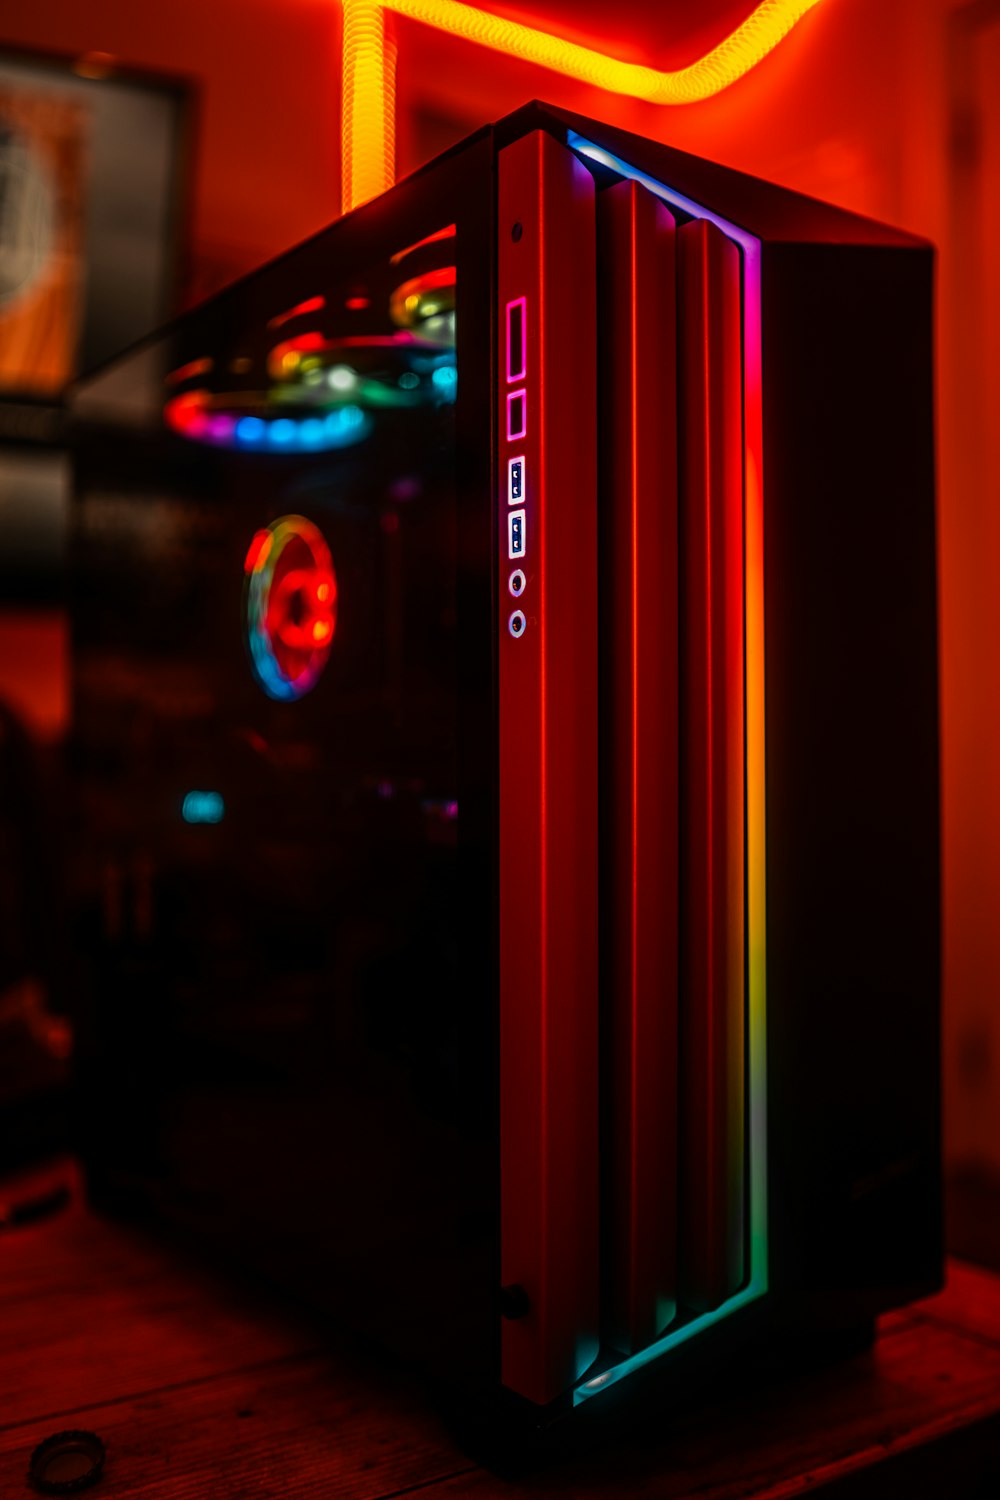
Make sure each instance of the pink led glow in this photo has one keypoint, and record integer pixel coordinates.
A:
(517, 412)
(517, 318)
(220, 429)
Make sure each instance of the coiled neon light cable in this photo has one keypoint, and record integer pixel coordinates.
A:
(763, 29)
(368, 106)
(370, 55)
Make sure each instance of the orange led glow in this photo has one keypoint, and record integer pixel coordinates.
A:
(96, 65)
(423, 296)
(734, 56)
(368, 124)
(286, 357)
(370, 70)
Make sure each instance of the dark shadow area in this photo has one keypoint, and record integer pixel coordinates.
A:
(972, 1217)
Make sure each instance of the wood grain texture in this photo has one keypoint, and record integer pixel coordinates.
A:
(791, 1436)
(200, 1388)
(91, 1314)
(301, 1429)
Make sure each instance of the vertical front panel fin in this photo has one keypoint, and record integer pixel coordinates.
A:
(712, 767)
(639, 624)
(547, 602)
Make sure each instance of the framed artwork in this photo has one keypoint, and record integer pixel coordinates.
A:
(92, 168)
(93, 208)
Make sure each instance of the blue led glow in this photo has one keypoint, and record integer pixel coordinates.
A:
(348, 422)
(203, 807)
(445, 378)
(251, 430)
(579, 143)
(266, 669)
(335, 429)
(317, 432)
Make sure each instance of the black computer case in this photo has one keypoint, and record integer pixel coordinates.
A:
(505, 733)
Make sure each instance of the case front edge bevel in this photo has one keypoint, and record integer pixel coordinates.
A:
(548, 769)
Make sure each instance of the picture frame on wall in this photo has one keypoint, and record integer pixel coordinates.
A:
(93, 177)
(94, 194)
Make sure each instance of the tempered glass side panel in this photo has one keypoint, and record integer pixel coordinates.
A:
(283, 689)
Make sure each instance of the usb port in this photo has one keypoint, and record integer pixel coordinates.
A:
(515, 480)
(515, 533)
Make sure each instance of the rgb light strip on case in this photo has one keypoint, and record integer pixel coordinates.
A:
(755, 787)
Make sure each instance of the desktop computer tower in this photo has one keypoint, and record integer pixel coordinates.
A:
(505, 863)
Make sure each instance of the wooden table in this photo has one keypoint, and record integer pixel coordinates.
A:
(201, 1392)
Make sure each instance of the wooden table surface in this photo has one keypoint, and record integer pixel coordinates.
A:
(200, 1390)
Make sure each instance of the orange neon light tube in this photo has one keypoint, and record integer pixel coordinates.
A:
(368, 105)
(369, 70)
(762, 30)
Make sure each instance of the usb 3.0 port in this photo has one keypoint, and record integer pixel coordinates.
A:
(515, 533)
(515, 480)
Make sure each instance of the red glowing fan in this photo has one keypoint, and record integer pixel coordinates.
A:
(291, 605)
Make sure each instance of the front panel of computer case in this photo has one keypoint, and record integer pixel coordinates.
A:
(751, 1114)
(632, 1064)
